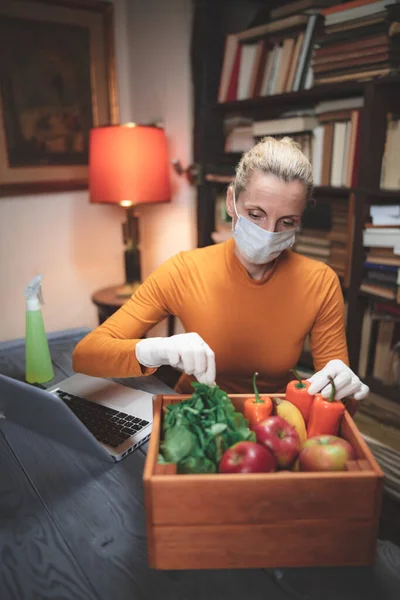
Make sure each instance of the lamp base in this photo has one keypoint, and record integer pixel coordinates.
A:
(131, 255)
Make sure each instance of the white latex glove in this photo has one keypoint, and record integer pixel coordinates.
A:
(346, 382)
(186, 351)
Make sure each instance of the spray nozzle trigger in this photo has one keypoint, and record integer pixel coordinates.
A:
(33, 290)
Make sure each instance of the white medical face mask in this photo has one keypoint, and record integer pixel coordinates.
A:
(255, 244)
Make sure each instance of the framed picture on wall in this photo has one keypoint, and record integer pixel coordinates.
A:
(57, 81)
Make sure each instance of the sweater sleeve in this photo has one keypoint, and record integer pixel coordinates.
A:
(328, 334)
(109, 350)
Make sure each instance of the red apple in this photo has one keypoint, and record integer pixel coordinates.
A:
(247, 457)
(281, 438)
(325, 453)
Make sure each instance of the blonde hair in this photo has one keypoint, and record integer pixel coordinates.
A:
(282, 158)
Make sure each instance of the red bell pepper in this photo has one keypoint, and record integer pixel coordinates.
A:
(297, 394)
(258, 409)
(326, 415)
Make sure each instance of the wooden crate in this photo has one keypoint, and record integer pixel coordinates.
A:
(283, 519)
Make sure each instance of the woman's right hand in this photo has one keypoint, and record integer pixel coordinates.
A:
(185, 351)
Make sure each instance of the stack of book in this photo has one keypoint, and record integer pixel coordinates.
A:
(328, 135)
(360, 41)
(323, 235)
(380, 347)
(338, 236)
(314, 244)
(382, 263)
(269, 59)
(223, 222)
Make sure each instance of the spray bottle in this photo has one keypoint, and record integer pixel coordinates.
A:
(38, 365)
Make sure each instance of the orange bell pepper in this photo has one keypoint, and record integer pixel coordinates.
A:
(258, 409)
(326, 415)
(297, 394)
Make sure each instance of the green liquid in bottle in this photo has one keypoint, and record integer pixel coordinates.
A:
(38, 368)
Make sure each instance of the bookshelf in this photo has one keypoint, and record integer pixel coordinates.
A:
(381, 95)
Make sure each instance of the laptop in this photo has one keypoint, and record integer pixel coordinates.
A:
(90, 414)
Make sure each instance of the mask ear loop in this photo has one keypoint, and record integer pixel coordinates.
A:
(234, 206)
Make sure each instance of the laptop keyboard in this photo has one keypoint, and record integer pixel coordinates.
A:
(109, 426)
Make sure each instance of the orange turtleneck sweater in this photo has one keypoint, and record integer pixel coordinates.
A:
(250, 325)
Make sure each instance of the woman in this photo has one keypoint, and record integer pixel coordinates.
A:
(248, 303)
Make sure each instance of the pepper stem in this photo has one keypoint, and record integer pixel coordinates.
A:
(333, 392)
(257, 395)
(300, 384)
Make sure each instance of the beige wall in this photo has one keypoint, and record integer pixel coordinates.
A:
(161, 91)
(77, 246)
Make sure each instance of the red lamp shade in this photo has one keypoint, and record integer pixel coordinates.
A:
(128, 164)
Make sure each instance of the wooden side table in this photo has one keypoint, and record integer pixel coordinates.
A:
(108, 302)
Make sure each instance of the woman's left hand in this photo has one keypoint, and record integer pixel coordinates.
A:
(346, 382)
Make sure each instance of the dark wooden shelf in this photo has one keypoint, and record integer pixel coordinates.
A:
(328, 190)
(294, 99)
(304, 98)
(382, 196)
(321, 191)
(380, 388)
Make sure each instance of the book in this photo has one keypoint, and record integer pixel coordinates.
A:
(356, 24)
(378, 290)
(231, 93)
(313, 239)
(327, 154)
(382, 277)
(380, 267)
(366, 331)
(383, 260)
(358, 75)
(312, 249)
(389, 238)
(247, 60)
(337, 54)
(338, 236)
(299, 6)
(231, 43)
(346, 63)
(354, 12)
(339, 142)
(294, 62)
(240, 139)
(258, 68)
(332, 106)
(361, 43)
(353, 147)
(276, 70)
(385, 215)
(268, 67)
(390, 309)
(340, 115)
(383, 349)
(284, 67)
(390, 171)
(317, 153)
(339, 7)
(274, 26)
(284, 126)
(305, 54)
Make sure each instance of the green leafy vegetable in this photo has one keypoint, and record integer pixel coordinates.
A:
(197, 431)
